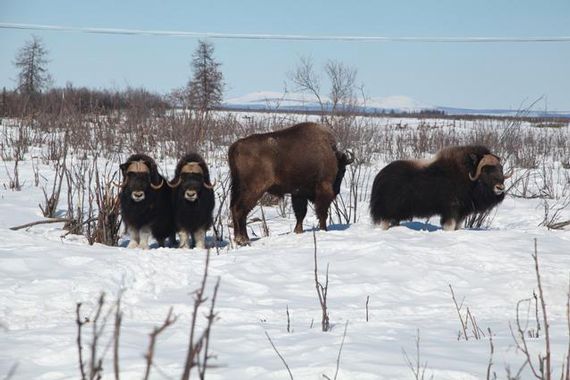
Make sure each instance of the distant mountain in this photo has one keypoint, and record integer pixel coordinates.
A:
(299, 102)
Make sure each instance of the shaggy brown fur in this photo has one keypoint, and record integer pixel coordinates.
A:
(302, 160)
(459, 181)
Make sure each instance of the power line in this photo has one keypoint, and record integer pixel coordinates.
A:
(288, 37)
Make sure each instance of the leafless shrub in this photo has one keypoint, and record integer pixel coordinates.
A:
(417, 367)
(280, 356)
(468, 321)
(51, 200)
(322, 290)
(541, 365)
(198, 354)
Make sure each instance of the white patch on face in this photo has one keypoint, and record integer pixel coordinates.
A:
(450, 225)
(499, 189)
(137, 196)
(190, 195)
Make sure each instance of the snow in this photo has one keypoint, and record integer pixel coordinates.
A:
(406, 271)
(274, 99)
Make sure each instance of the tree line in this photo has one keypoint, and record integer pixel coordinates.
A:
(34, 92)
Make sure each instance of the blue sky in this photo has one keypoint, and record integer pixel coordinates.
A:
(461, 75)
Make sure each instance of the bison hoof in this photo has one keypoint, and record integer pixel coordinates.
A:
(240, 240)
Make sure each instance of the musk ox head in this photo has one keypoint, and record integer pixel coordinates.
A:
(140, 176)
(488, 172)
(191, 179)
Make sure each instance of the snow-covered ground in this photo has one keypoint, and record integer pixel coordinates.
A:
(405, 271)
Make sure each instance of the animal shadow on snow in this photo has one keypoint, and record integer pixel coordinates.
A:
(211, 242)
(420, 226)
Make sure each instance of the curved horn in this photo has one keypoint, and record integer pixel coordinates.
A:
(138, 167)
(509, 174)
(157, 187)
(209, 185)
(487, 160)
(120, 185)
(176, 184)
(192, 168)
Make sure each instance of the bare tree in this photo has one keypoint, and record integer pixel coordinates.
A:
(206, 88)
(31, 61)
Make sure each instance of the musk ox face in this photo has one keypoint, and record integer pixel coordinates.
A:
(191, 181)
(191, 186)
(137, 180)
(489, 173)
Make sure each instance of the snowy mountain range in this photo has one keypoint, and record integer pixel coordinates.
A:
(295, 101)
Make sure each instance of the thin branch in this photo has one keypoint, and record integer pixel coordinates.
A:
(280, 356)
(46, 221)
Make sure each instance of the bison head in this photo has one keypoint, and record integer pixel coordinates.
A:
(140, 177)
(191, 180)
(489, 173)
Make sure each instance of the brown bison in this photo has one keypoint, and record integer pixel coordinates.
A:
(302, 160)
(193, 200)
(457, 182)
(146, 205)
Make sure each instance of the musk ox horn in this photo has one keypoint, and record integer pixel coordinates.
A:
(509, 174)
(192, 168)
(157, 187)
(176, 184)
(138, 167)
(209, 185)
(487, 160)
(120, 185)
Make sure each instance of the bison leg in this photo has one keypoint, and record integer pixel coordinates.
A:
(300, 209)
(184, 240)
(135, 237)
(240, 209)
(199, 237)
(324, 195)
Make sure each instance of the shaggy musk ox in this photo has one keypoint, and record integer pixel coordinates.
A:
(457, 182)
(145, 202)
(193, 200)
(302, 160)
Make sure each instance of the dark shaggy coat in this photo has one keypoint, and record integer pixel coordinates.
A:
(155, 211)
(302, 160)
(191, 216)
(407, 189)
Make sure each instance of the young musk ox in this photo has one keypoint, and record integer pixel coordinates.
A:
(457, 182)
(302, 160)
(193, 200)
(146, 205)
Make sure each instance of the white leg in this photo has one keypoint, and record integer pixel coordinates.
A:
(144, 236)
(450, 225)
(184, 241)
(135, 237)
(200, 239)
(384, 224)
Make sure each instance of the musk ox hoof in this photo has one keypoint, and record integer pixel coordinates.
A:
(298, 229)
(133, 244)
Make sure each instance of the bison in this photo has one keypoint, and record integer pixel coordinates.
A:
(145, 202)
(193, 200)
(302, 160)
(457, 182)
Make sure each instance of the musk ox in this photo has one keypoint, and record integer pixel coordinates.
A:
(457, 182)
(302, 160)
(193, 200)
(146, 205)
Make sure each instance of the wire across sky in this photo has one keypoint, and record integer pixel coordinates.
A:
(290, 37)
